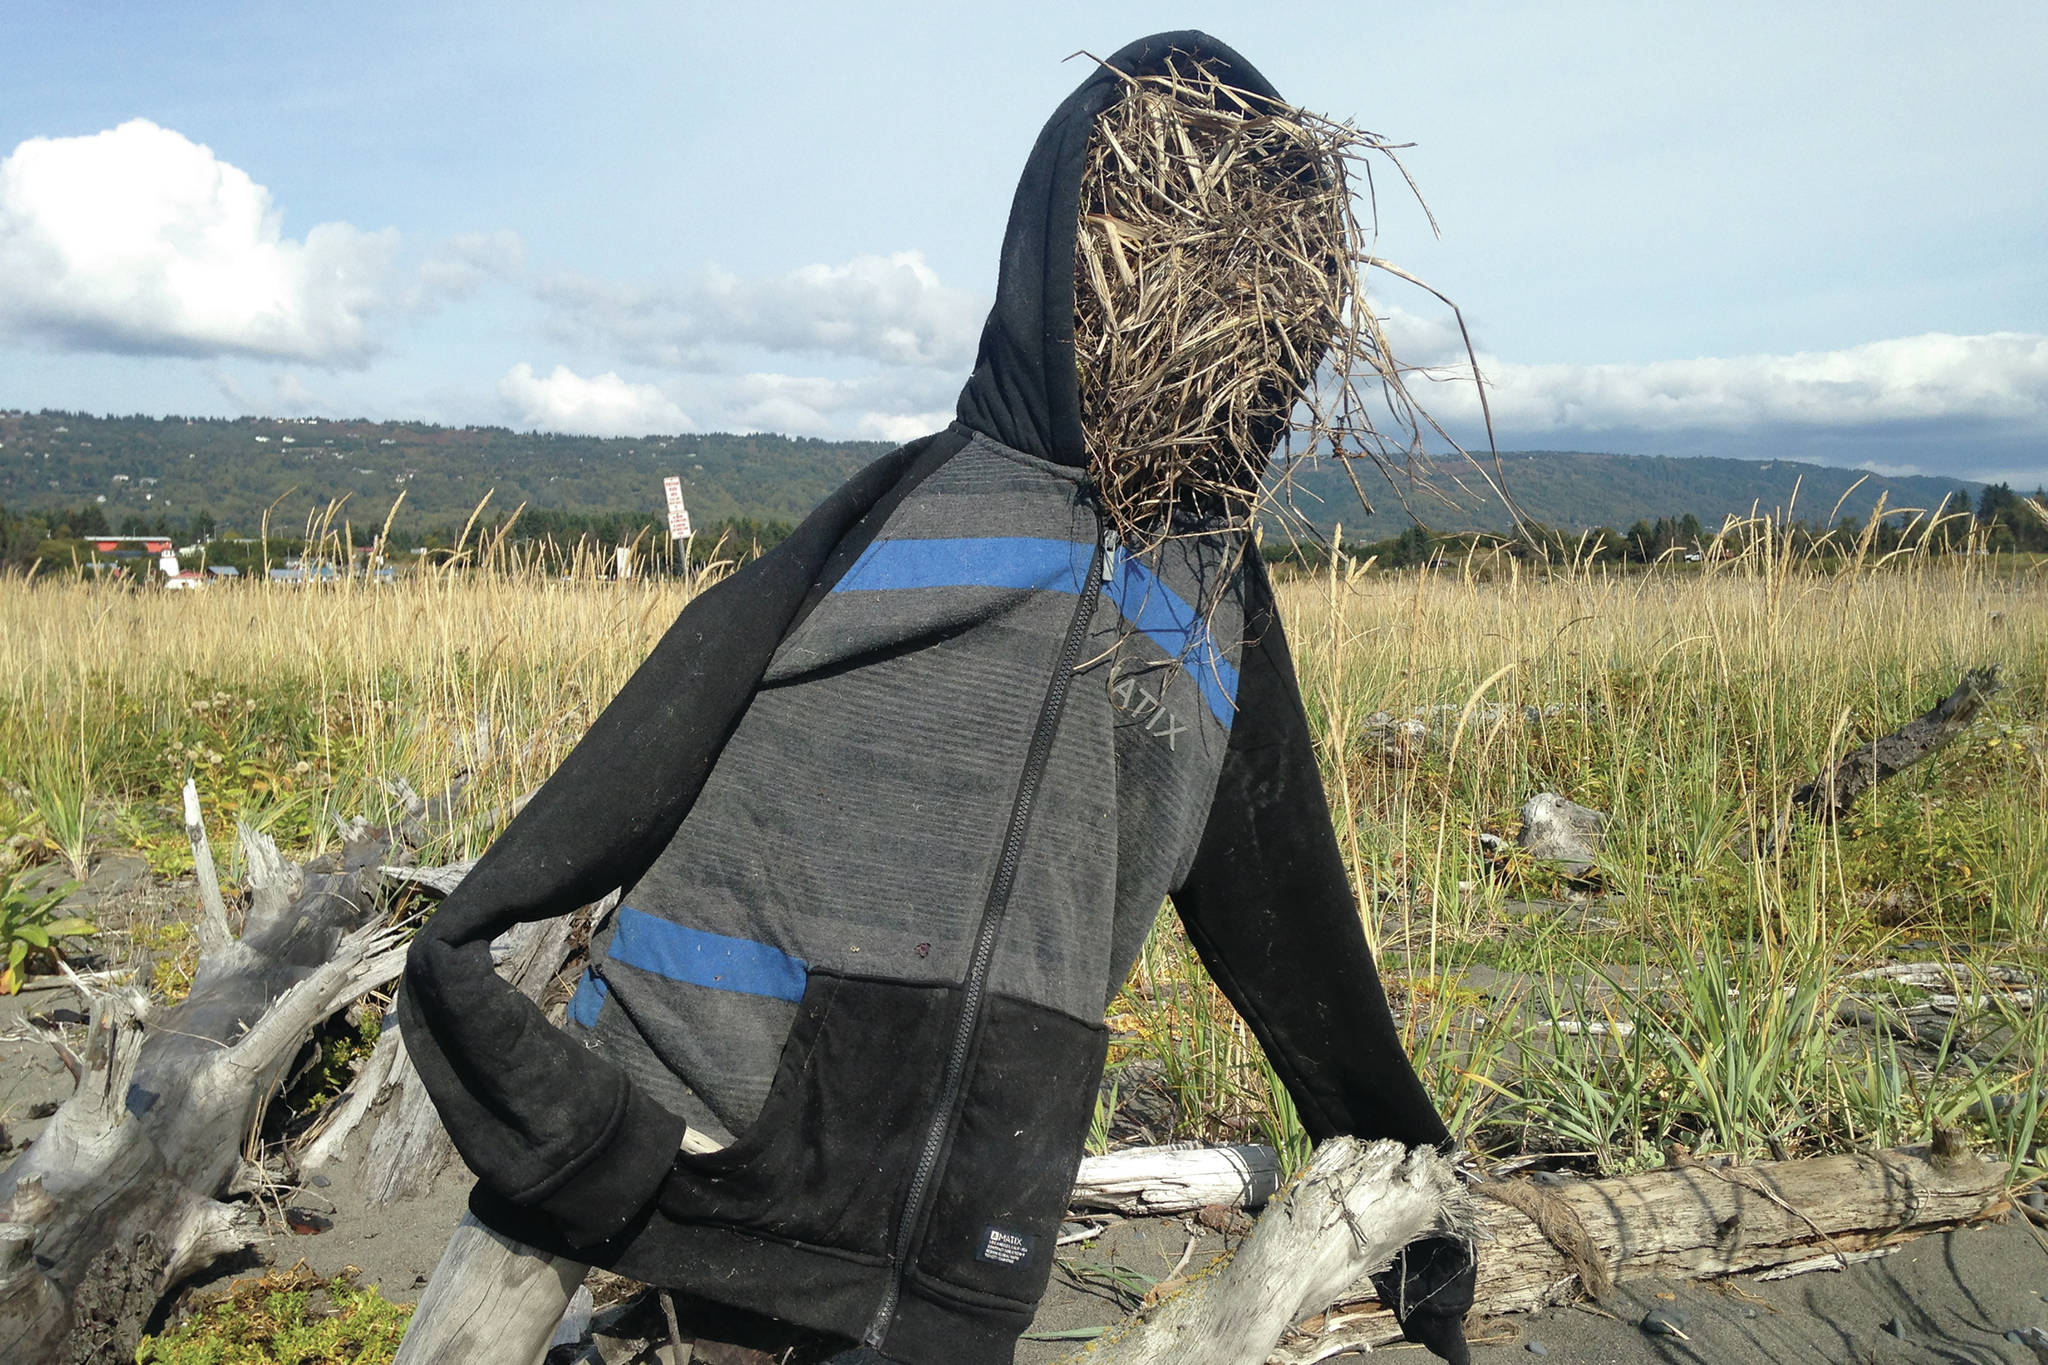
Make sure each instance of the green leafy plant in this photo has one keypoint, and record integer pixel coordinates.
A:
(30, 926)
(338, 1049)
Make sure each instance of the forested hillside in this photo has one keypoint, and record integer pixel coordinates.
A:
(70, 474)
(1575, 491)
(175, 470)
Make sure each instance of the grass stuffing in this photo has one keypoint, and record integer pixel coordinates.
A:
(1219, 305)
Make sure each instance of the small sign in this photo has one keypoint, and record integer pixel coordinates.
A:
(678, 515)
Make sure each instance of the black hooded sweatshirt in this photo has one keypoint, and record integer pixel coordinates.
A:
(1019, 737)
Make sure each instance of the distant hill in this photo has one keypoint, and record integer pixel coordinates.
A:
(1578, 490)
(175, 468)
(178, 467)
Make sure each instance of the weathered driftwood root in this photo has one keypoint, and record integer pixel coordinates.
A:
(1354, 1206)
(1691, 1221)
(121, 1195)
(1835, 790)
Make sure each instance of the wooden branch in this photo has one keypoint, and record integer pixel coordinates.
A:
(1345, 1216)
(489, 1299)
(1835, 790)
(1692, 1221)
(323, 1142)
(213, 911)
(273, 883)
(1178, 1179)
(439, 880)
(412, 810)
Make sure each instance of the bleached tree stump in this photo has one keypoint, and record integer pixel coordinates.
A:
(122, 1195)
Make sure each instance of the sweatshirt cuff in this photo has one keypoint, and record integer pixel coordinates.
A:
(610, 1189)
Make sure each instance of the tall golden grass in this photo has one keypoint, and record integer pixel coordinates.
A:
(1697, 982)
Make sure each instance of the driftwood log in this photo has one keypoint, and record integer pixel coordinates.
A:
(491, 1299)
(1555, 1242)
(1835, 789)
(1345, 1216)
(1157, 1180)
(123, 1194)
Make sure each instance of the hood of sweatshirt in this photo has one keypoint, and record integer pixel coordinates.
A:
(1023, 391)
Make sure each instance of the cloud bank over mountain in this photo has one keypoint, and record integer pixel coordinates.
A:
(1997, 378)
(1905, 403)
(604, 405)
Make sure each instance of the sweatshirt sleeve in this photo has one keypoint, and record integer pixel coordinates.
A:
(551, 1128)
(1268, 907)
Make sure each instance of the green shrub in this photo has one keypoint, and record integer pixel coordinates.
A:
(288, 1317)
(30, 926)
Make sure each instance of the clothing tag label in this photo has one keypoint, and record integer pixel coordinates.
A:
(1003, 1247)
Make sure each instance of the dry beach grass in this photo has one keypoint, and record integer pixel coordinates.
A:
(1698, 985)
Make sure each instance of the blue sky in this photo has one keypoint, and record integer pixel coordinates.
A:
(1788, 230)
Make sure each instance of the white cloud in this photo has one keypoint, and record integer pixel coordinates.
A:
(139, 240)
(605, 405)
(1890, 471)
(464, 263)
(895, 405)
(888, 310)
(1999, 378)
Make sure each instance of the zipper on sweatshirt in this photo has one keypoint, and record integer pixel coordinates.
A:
(974, 990)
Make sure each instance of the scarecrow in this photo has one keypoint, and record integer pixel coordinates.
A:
(894, 807)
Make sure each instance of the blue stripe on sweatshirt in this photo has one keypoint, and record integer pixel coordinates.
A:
(1164, 617)
(588, 1001)
(1027, 562)
(700, 958)
(1016, 562)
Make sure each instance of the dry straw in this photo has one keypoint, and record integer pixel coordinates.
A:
(1219, 306)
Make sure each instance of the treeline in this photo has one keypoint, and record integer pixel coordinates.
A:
(249, 471)
(2000, 522)
(28, 535)
(55, 536)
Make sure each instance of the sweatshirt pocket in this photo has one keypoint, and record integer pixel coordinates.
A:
(827, 1160)
(1010, 1167)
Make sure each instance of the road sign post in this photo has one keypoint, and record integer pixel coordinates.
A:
(678, 518)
